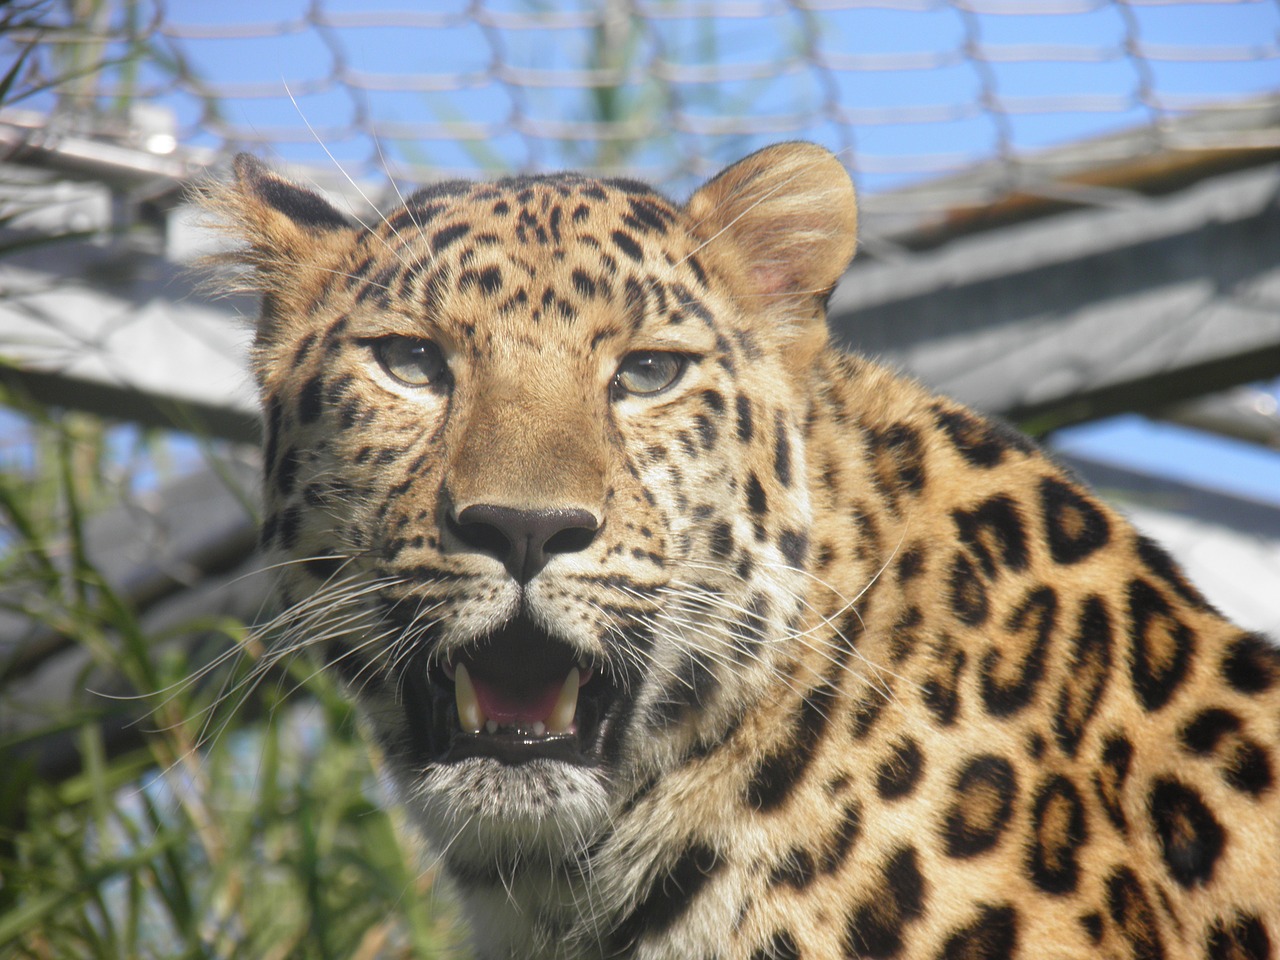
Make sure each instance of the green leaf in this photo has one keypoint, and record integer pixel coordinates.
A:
(10, 77)
(40, 907)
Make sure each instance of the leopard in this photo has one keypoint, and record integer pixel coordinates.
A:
(682, 631)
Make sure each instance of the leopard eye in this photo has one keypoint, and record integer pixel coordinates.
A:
(648, 372)
(414, 362)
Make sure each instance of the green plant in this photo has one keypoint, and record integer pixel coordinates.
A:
(226, 829)
(220, 826)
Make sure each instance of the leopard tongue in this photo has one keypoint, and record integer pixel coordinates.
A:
(550, 706)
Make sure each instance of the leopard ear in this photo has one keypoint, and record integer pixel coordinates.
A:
(782, 222)
(286, 227)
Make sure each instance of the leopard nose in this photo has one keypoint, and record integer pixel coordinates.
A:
(524, 540)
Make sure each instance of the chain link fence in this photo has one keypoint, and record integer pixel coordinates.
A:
(905, 90)
(126, 553)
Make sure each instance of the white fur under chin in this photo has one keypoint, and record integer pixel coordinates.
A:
(482, 812)
(525, 823)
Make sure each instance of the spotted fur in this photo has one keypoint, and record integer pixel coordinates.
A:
(883, 680)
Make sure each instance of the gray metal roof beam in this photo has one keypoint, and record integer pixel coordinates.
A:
(1087, 313)
(128, 334)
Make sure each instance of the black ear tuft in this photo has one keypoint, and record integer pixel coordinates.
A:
(304, 208)
(288, 239)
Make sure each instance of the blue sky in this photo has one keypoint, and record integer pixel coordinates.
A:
(914, 79)
(1179, 453)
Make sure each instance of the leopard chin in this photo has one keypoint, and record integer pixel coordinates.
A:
(509, 734)
(489, 817)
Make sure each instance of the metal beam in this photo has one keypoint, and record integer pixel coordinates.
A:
(1245, 413)
(1087, 313)
(126, 332)
(182, 559)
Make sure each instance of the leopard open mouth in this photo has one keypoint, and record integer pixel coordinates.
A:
(517, 695)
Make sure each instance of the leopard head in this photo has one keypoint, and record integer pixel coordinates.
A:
(535, 470)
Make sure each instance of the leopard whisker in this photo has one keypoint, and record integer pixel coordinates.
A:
(350, 179)
(687, 592)
(304, 619)
(386, 169)
(235, 652)
(805, 638)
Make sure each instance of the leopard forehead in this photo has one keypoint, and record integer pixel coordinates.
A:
(529, 262)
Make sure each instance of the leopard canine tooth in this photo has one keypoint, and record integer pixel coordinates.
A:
(470, 717)
(561, 717)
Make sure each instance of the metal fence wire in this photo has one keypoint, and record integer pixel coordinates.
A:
(906, 90)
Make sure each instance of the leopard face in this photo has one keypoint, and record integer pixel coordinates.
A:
(511, 431)
(685, 634)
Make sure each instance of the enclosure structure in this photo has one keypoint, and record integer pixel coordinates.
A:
(1045, 243)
